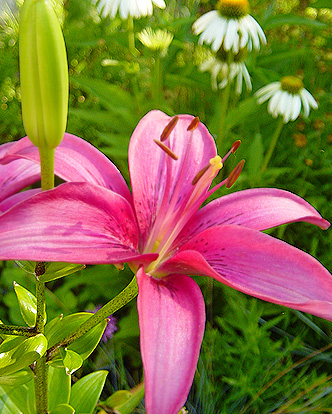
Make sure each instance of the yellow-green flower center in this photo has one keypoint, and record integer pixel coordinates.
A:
(233, 9)
(228, 56)
(291, 84)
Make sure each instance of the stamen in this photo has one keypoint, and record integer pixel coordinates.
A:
(199, 174)
(169, 128)
(215, 163)
(193, 124)
(235, 146)
(234, 175)
(166, 149)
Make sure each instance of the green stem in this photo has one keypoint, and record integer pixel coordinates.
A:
(273, 144)
(17, 330)
(47, 168)
(41, 307)
(128, 293)
(131, 36)
(226, 92)
(157, 82)
(41, 367)
(41, 394)
(224, 103)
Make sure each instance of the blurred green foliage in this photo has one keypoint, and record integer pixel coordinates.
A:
(252, 351)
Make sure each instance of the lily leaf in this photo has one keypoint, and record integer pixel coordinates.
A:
(53, 270)
(72, 361)
(124, 402)
(17, 378)
(59, 384)
(27, 303)
(17, 399)
(63, 409)
(86, 392)
(83, 346)
(18, 352)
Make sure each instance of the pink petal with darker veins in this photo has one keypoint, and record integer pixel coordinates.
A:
(172, 321)
(155, 176)
(259, 208)
(76, 223)
(75, 160)
(259, 265)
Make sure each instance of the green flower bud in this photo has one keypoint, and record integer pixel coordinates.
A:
(44, 74)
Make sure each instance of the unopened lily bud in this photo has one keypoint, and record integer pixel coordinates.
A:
(43, 73)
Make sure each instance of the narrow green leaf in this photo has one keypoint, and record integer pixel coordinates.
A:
(27, 303)
(72, 361)
(124, 402)
(279, 20)
(85, 345)
(17, 353)
(237, 115)
(63, 409)
(86, 392)
(55, 270)
(27, 266)
(17, 399)
(255, 158)
(17, 378)
(59, 384)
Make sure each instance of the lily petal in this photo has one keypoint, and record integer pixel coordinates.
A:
(17, 175)
(76, 223)
(259, 265)
(17, 198)
(259, 208)
(155, 177)
(172, 320)
(75, 160)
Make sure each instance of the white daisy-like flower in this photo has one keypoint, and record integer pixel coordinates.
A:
(155, 39)
(286, 98)
(128, 8)
(230, 26)
(223, 72)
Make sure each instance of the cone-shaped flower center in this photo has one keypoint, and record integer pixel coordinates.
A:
(291, 84)
(228, 56)
(233, 9)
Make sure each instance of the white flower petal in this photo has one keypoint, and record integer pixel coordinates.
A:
(230, 36)
(204, 21)
(246, 76)
(288, 108)
(273, 105)
(311, 100)
(296, 107)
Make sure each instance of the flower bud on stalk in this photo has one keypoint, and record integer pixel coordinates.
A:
(44, 74)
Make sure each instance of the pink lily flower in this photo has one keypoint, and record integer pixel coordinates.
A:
(165, 237)
(75, 160)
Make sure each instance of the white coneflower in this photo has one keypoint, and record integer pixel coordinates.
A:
(222, 73)
(286, 98)
(156, 39)
(128, 8)
(230, 26)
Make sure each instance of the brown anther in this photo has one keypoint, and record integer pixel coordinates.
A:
(193, 124)
(235, 146)
(199, 174)
(234, 175)
(166, 149)
(169, 128)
